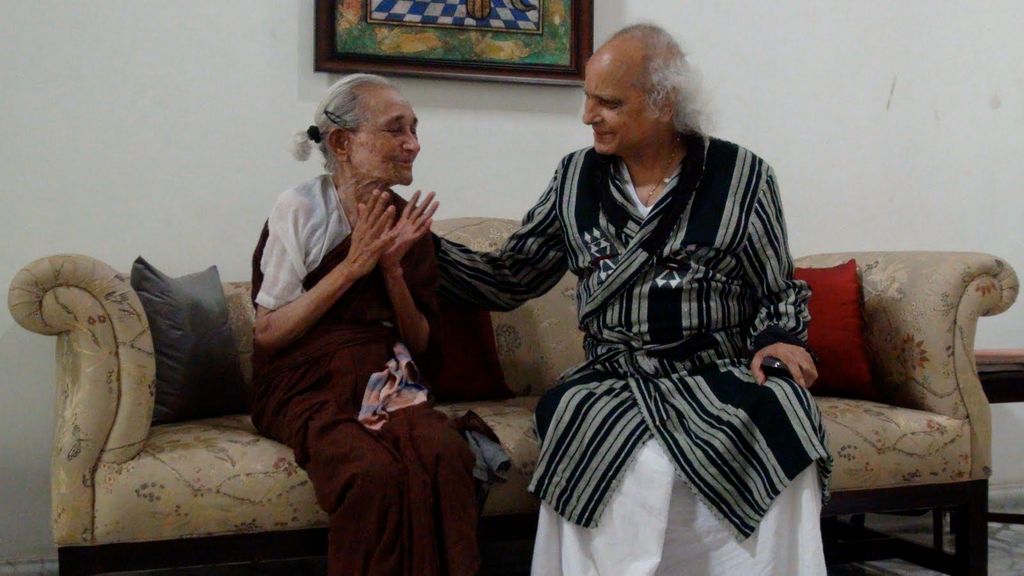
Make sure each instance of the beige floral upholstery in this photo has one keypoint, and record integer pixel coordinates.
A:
(116, 479)
(241, 315)
(879, 446)
(205, 477)
(921, 310)
(105, 375)
(218, 476)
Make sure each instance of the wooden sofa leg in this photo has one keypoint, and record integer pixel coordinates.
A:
(938, 528)
(971, 531)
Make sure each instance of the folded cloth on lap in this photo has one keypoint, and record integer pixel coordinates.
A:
(393, 388)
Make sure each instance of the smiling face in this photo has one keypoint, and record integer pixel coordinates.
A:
(382, 150)
(616, 107)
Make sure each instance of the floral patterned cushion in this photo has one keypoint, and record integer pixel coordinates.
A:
(878, 446)
(218, 476)
(205, 477)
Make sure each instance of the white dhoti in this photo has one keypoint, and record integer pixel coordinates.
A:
(654, 525)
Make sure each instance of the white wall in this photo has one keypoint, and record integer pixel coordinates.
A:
(161, 128)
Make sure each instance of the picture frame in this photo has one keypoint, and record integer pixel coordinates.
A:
(523, 41)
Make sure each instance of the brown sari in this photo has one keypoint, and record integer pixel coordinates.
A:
(401, 499)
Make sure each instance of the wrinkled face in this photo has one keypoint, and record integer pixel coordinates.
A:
(615, 106)
(382, 150)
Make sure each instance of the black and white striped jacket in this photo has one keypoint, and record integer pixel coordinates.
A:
(672, 306)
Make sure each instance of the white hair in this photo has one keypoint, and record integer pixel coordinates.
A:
(667, 76)
(342, 108)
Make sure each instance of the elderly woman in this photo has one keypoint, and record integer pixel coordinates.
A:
(669, 451)
(344, 282)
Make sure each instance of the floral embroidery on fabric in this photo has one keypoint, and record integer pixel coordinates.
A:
(912, 352)
(507, 339)
(286, 465)
(149, 491)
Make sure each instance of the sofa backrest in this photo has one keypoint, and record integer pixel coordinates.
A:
(539, 340)
(241, 315)
(536, 342)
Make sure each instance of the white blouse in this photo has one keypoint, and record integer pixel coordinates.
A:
(305, 224)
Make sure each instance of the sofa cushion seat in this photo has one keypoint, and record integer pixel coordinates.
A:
(203, 477)
(878, 446)
(218, 476)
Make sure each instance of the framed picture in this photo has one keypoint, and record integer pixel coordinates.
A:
(535, 41)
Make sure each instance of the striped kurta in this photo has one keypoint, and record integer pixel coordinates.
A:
(672, 307)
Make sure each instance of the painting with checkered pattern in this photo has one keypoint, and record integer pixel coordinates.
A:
(501, 15)
(521, 40)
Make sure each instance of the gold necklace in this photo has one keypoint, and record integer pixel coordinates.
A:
(661, 183)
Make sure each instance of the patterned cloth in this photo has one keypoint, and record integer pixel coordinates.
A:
(672, 307)
(393, 388)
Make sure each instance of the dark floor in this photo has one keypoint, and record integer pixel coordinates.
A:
(1006, 553)
(1006, 558)
(1005, 550)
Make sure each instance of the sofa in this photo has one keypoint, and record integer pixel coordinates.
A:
(130, 495)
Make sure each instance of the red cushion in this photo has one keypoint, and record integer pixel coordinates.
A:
(469, 357)
(836, 332)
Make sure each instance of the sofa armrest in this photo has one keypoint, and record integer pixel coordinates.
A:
(105, 374)
(921, 311)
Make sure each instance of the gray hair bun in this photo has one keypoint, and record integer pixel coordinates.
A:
(302, 146)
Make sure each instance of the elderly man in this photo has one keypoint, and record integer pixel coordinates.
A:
(669, 450)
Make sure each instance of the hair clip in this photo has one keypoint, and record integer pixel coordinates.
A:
(314, 133)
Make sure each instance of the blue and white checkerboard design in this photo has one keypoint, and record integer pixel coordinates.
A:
(503, 16)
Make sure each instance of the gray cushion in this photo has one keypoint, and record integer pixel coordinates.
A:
(197, 368)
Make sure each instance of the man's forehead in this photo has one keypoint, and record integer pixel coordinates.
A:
(616, 60)
(610, 75)
(620, 52)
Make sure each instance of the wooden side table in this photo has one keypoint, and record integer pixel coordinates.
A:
(1002, 378)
